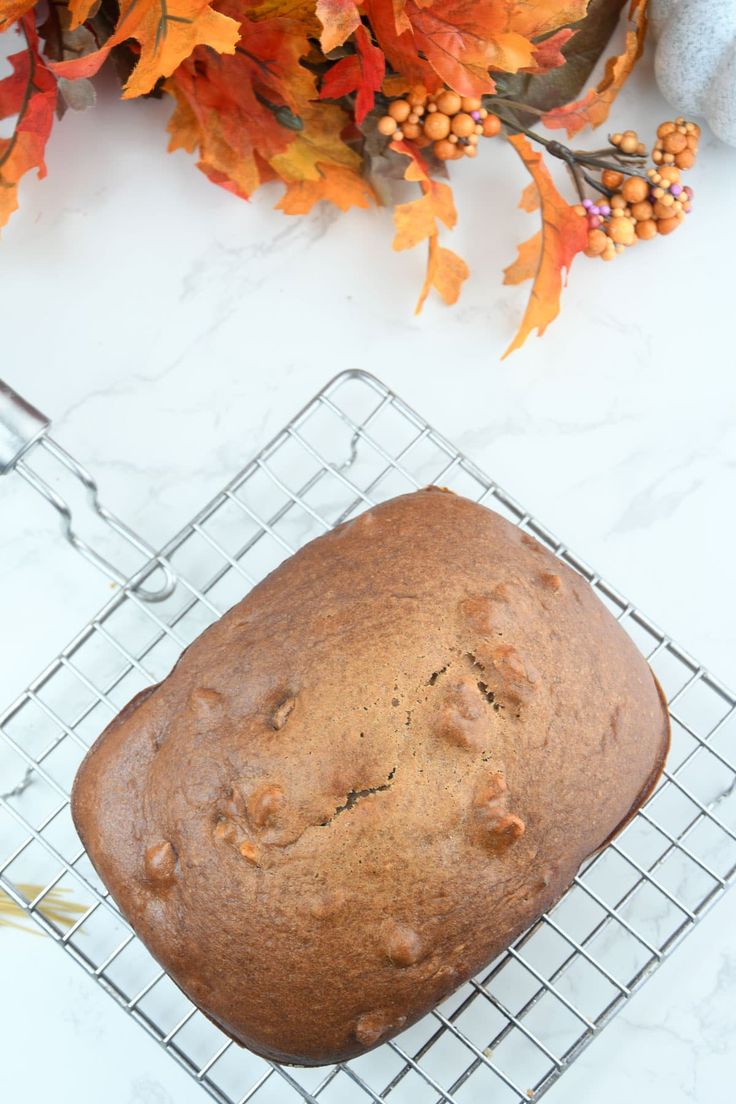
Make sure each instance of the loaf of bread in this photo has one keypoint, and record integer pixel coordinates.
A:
(362, 783)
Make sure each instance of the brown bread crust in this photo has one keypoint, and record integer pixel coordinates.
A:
(372, 774)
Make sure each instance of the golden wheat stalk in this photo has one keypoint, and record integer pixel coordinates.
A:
(55, 907)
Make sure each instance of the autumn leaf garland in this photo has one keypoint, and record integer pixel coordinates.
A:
(291, 90)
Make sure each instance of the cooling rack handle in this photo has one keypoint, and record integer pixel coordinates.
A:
(23, 429)
(21, 426)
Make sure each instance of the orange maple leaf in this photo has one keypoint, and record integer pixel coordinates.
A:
(361, 72)
(13, 10)
(417, 222)
(453, 42)
(167, 30)
(339, 18)
(30, 94)
(546, 258)
(336, 184)
(593, 108)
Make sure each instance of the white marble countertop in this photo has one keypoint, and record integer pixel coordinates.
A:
(169, 330)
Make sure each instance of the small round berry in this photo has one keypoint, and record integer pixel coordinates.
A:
(471, 151)
(463, 125)
(666, 226)
(657, 157)
(398, 135)
(628, 143)
(470, 103)
(685, 160)
(473, 139)
(387, 125)
(622, 231)
(641, 150)
(692, 143)
(605, 210)
(662, 210)
(452, 138)
(579, 209)
(617, 213)
(657, 193)
(615, 139)
(665, 128)
(449, 102)
(642, 211)
(612, 179)
(675, 142)
(597, 242)
(437, 126)
(483, 113)
(411, 131)
(419, 110)
(445, 150)
(670, 173)
(635, 189)
(413, 118)
(491, 126)
(646, 230)
(617, 202)
(417, 96)
(668, 158)
(431, 106)
(399, 110)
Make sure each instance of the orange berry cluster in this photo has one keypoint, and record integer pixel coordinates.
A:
(451, 123)
(677, 144)
(639, 207)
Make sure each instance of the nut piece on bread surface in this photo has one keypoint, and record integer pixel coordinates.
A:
(367, 778)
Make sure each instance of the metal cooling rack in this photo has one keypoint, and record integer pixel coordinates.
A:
(508, 1034)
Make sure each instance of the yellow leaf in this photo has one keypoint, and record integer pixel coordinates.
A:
(530, 198)
(319, 142)
(416, 221)
(446, 273)
(547, 257)
(336, 184)
(526, 264)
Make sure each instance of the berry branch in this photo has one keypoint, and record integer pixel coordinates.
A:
(638, 203)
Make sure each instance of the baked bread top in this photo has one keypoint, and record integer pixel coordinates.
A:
(365, 780)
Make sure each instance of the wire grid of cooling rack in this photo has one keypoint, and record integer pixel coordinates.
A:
(508, 1034)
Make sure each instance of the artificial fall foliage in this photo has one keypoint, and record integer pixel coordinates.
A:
(362, 102)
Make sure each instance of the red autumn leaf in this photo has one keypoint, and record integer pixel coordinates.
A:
(253, 116)
(339, 18)
(593, 108)
(167, 31)
(546, 258)
(548, 53)
(361, 72)
(417, 222)
(30, 93)
(223, 102)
